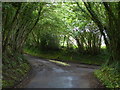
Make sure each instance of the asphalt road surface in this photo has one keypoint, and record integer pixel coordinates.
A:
(49, 74)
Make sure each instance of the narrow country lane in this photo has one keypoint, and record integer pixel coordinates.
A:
(51, 75)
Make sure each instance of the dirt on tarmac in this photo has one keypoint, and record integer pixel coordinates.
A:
(48, 74)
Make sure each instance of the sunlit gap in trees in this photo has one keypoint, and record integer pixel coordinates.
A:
(73, 41)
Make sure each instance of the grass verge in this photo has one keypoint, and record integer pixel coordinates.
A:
(108, 76)
(68, 56)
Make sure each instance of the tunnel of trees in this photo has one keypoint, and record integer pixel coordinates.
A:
(70, 29)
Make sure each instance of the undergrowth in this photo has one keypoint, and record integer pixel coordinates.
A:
(14, 68)
(108, 76)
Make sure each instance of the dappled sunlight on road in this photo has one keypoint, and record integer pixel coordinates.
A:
(59, 62)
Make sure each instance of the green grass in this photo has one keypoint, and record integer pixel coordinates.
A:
(68, 56)
(108, 76)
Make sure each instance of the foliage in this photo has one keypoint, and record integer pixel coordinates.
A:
(19, 19)
(60, 25)
(66, 31)
(109, 26)
(109, 77)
